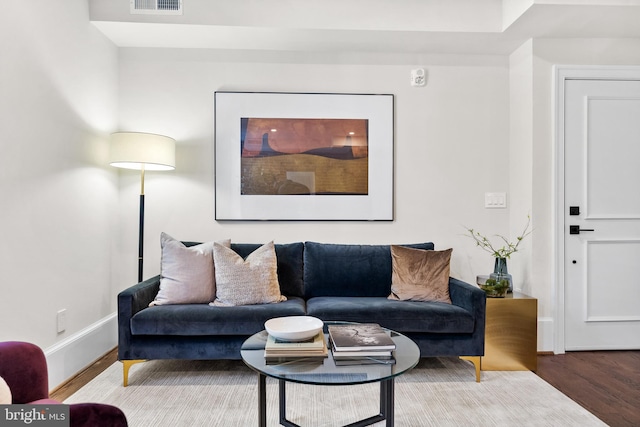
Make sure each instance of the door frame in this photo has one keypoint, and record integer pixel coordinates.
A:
(561, 74)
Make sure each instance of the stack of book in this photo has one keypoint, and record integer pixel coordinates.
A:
(278, 351)
(361, 344)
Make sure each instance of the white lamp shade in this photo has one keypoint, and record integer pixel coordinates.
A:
(133, 150)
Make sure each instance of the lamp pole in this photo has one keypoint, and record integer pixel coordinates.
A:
(141, 226)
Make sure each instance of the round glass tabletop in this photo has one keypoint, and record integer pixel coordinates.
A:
(324, 371)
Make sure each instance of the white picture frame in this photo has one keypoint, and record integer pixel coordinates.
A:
(238, 197)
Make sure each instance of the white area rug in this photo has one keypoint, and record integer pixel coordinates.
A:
(438, 392)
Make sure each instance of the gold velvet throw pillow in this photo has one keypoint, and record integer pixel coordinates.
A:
(420, 275)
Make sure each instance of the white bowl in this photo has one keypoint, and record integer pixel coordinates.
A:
(293, 328)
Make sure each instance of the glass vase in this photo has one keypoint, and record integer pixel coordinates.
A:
(500, 272)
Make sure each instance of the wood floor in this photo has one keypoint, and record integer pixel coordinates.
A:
(606, 383)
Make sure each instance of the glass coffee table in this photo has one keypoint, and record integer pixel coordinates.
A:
(325, 372)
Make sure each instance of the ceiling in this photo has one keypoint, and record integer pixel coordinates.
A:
(451, 26)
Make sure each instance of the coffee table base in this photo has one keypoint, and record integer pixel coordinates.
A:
(386, 404)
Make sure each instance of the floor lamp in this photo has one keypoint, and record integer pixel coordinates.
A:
(142, 151)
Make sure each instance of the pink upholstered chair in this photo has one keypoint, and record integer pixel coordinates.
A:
(24, 368)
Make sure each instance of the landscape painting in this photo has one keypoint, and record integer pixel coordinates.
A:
(281, 156)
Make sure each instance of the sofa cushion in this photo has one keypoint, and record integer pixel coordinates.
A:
(253, 280)
(401, 316)
(420, 275)
(186, 273)
(289, 265)
(203, 319)
(349, 270)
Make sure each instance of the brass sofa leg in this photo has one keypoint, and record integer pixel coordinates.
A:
(477, 362)
(126, 364)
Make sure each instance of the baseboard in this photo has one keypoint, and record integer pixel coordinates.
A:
(72, 355)
(545, 334)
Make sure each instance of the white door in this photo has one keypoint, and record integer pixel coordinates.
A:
(602, 193)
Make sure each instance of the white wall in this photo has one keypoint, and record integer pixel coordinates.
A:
(513, 9)
(451, 143)
(58, 88)
(520, 159)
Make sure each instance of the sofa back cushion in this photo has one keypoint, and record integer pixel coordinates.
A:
(349, 270)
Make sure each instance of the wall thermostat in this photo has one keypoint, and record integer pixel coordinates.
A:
(418, 77)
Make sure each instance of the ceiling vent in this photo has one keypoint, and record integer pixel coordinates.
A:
(156, 7)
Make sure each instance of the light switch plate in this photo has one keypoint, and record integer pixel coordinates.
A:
(61, 320)
(495, 200)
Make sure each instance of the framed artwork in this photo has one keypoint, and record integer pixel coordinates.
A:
(303, 156)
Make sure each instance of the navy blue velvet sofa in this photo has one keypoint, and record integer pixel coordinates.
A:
(327, 281)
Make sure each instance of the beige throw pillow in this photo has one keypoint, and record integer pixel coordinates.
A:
(5, 393)
(420, 275)
(186, 273)
(244, 282)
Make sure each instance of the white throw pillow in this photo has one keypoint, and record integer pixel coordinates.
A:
(5, 393)
(250, 281)
(186, 273)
